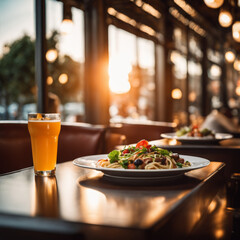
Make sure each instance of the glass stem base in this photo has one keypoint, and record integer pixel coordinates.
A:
(47, 173)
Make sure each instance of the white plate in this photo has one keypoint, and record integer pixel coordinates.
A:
(208, 139)
(90, 163)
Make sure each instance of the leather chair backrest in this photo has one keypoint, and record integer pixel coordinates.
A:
(80, 139)
(135, 132)
(15, 146)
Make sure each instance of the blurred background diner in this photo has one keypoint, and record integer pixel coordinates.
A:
(102, 62)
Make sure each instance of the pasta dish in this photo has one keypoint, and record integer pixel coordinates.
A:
(194, 131)
(143, 156)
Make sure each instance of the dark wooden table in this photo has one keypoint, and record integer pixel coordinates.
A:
(227, 151)
(81, 204)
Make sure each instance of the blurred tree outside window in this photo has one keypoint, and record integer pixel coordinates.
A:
(65, 57)
(17, 77)
(17, 83)
(66, 67)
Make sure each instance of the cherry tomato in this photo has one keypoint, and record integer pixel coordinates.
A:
(102, 160)
(142, 143)
(125, 151)
(131, 166)
(148, 146)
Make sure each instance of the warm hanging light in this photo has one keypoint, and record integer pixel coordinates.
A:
(237, 90)
(66, 26)
(236, 64)
(67, 23)
(215, 71)
(176, 93)
(225, 18)
(49, 80)
(63, 78)
(51, 55)
(236, 31)
(214, 3)
(230, 56)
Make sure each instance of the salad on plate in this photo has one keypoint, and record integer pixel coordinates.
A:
(143, 156)
(194, 131)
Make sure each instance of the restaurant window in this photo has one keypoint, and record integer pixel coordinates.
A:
(180, 39)
(178, 59)
(17, 50)
(194, 79)
(233, 91)
(131, 76)
(179, 87)
(214, 72)
(214, 56)
(187, 71)
(214, 85)
(194, 47)
(195, 90)
(65, 56)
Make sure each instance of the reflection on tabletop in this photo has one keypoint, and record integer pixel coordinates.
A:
(46, 199)
(98, 194)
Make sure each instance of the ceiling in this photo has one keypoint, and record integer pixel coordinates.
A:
(207, 17)
(211, 15)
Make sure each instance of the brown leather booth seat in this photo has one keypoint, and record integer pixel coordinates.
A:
(80, 139)
(15, 146)
(135, 131)
(75, 140)
(113, 140)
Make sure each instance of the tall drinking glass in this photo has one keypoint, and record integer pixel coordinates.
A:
(44, 130)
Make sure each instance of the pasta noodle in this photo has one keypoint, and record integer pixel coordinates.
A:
(143, 156)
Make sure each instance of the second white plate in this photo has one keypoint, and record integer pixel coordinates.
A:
(208, 139)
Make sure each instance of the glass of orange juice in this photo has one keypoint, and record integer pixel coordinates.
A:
(44, 129)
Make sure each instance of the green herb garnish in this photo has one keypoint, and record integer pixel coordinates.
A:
(114, 156)
(182, 131)
(179, 164)
(206, 132)
(124, 163)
